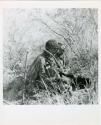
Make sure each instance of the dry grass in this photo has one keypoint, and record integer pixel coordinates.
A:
(45, 97)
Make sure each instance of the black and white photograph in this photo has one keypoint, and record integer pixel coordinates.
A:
(50, 56)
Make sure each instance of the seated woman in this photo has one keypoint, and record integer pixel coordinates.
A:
(43, 72)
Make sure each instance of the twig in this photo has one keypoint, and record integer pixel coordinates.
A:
(23, 91)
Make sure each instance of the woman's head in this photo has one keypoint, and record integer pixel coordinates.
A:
(51, 46)
(54, 47)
